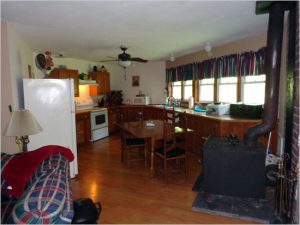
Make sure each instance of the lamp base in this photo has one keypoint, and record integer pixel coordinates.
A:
(25, 149)
(22, 143)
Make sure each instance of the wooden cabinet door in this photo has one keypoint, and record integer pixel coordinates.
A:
(66, 74)
(202, 129)
(73, 74)
(106, 82)
(149, 113)
(134, 113)
(83, 128)
(113, 115)
(153, 113)
(80, 131)
(103, 81)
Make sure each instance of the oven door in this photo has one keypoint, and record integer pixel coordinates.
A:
(99, 119)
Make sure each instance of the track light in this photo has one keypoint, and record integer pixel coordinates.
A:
(172, 58)
(208, 47)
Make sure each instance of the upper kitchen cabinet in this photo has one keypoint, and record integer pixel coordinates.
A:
(65, 74)
(103, 81)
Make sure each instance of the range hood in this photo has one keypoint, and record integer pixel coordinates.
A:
(88, 82)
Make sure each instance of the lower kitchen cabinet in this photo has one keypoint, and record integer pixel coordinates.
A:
(113, 115)
(83, 127)
(202, 125)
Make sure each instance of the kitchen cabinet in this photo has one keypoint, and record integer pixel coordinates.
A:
(65, 74)
(202, 129)
(83, 127)
(202, 125)
(103, 81)
(153, 113)
(113, 115)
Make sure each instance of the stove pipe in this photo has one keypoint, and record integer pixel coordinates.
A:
(274, 43)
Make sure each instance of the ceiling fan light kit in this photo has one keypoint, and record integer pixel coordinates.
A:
(124, 64)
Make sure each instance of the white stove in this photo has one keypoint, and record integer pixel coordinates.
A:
(99, 123)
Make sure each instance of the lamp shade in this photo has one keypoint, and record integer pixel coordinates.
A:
(124, 63)
(22, 123)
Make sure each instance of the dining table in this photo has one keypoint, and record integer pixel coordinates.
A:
(150, 130)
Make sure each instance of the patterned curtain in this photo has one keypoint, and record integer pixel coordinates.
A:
(243, 64)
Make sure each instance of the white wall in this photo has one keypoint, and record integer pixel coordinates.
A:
(20, 56)
(152, 76)
(152, 81)
(15, 58)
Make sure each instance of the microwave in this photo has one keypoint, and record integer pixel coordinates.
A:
(143, 100)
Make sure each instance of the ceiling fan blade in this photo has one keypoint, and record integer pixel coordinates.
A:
(136, 59)
(112, 57)
(109, 60)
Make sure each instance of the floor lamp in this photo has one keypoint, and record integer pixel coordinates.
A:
(22, 123)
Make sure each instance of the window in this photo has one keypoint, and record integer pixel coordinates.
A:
(176, 89)
(187, 89)
(206, 90)
(253, 89)
(227, 89)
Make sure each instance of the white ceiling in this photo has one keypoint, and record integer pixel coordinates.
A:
(151, 30)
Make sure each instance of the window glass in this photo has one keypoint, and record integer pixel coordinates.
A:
(176, 89)
(253, 89)
(206, 90)
(187, 89)
(227, 89)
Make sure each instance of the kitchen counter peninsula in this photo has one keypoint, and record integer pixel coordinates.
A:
(202, 124)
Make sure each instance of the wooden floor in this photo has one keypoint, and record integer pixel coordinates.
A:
(128, 195)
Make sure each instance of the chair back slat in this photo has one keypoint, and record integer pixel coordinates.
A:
(171, 116)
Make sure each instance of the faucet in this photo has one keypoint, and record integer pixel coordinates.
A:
(170, 101)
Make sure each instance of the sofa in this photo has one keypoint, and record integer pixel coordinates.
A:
(35, 187)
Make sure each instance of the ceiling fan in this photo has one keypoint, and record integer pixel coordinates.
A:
(125, 59)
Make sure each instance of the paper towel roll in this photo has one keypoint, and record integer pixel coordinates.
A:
(191, 103)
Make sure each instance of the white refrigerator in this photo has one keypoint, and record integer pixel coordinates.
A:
(52, 102)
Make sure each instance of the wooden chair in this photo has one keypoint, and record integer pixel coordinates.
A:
(171, 151)
(133, 149)
(171, 116)
(183, 124)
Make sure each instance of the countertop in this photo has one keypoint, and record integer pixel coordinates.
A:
(82, 111)
(226, 118)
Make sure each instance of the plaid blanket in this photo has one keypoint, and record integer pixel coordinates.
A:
(47, 197)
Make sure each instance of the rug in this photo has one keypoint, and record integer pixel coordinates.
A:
(261, 211)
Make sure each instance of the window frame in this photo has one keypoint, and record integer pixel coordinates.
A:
(172, 85)
(196, 89)
(252, 82)
(199, 89)
(183, 89)
(227, 83)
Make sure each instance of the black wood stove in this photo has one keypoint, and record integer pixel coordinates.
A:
(233, 169)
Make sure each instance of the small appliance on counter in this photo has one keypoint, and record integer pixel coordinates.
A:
(246, 111)
(217, 109)
(142, 100)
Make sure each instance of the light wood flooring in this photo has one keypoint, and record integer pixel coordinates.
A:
(127, 193)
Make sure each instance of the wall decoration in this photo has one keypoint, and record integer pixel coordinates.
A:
(135, 81)
(44, 62)
(30, 74)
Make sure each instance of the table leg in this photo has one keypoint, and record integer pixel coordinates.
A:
(152, 143)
